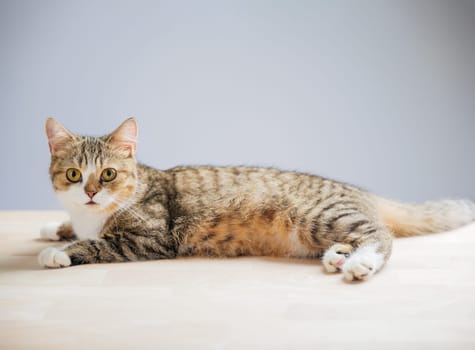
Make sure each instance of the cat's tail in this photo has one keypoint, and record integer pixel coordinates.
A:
(406, 220)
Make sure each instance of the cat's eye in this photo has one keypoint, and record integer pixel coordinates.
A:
(108, 174)
(73, 175)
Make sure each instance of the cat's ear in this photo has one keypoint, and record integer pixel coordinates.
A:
(58, 136)
(124, 138)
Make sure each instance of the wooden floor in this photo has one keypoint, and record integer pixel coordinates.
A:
(424, 299)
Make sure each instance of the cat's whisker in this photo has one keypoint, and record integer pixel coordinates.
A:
(130, 210)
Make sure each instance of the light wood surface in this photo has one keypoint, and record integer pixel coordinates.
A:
(423, 299)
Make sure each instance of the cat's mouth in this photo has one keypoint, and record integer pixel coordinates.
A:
(91, 202)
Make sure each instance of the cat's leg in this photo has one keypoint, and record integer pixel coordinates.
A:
(358, 245)
(371, 251)
(55, 231)
(119, 247)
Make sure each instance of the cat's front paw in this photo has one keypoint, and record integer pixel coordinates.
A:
(49, 232)
(364, 263)
(336, 256)
(53, 257)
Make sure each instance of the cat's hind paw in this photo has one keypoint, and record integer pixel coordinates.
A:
(336, 256)
(363, 263)
(53, 257)
(49, 232)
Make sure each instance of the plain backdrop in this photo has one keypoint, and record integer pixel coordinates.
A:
(380, 94)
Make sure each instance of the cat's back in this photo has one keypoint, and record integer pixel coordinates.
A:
(257, 185)
(220, 182)
(205, 188)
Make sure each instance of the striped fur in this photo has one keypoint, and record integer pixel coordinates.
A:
(234, 211)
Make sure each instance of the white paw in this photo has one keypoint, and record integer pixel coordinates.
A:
(49, 231)
(53, 257)
(333, 261)
(336, 256)
(363, 263)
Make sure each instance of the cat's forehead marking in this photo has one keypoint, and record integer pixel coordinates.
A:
(91, 150)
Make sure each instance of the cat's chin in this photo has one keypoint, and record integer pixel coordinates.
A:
(100, 208)
(92, 207)
(88, 207)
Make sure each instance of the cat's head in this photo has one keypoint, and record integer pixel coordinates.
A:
(93, 174)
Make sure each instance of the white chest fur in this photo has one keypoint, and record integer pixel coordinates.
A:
(88, 225)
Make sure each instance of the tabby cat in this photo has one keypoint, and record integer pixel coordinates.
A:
(122, 210)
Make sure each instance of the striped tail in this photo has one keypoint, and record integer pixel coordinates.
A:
(406, 220)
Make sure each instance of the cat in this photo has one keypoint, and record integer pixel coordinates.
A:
(121, 210)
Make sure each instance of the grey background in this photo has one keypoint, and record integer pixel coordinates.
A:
(375, 93)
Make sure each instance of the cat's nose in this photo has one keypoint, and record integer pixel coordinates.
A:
(91, 194)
